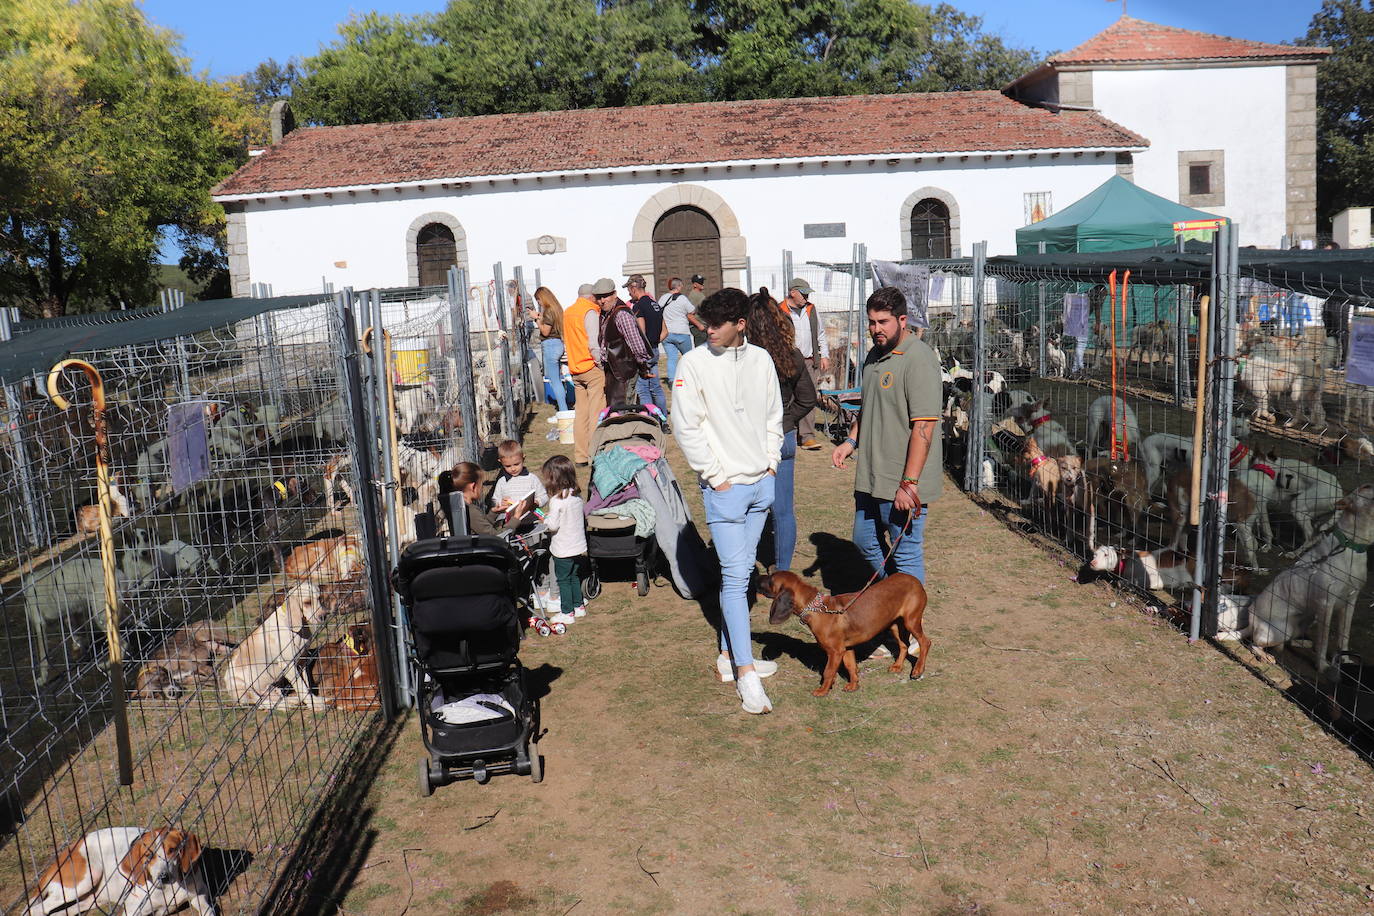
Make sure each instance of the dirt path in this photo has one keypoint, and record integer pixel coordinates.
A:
(1062, 754)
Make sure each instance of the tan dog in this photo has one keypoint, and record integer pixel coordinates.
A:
(327, 560)
(151, 872)
(273, 651)
(841, 622)
(345, 671)
(189, 654)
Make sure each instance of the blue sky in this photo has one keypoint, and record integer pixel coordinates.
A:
(231, 38)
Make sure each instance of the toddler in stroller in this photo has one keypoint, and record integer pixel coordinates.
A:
(466, 597)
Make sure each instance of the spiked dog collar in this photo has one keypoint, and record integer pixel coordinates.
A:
(815, 605)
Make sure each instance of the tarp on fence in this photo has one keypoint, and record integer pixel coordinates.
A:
(35, 351)
(1117, 215)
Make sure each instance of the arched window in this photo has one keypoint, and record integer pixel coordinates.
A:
(930, 229)
(436, 251)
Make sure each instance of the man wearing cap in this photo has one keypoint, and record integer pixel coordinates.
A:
(696, 295)
(582, 339)
(624, 352)
(649, 316)
(813, 346)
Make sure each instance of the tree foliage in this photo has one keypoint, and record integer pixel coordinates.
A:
(1345, 104)
(106, 142)
(491, 56)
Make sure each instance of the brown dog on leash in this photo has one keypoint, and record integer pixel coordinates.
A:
(839, 625)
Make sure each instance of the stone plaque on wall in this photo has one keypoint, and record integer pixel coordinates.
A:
(546, 244)
(823, 230)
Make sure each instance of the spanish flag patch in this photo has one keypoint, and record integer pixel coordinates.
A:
(678, 383)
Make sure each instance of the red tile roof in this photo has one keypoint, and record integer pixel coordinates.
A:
(513, 144)
(1131, 39)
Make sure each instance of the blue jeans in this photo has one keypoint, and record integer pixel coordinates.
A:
(875, 522)
(651, 390)
(553, 374)
(676, 346)
(784, 516)
(736, 518)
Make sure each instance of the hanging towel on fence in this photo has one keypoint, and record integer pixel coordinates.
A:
(677, 536)
(639, 510)
(613, 468)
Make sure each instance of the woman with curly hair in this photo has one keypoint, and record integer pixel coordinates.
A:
(770, 328)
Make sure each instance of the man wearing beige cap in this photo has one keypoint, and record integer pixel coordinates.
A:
(624, 352)
(810, 340)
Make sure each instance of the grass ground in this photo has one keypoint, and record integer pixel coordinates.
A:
(1065, 752)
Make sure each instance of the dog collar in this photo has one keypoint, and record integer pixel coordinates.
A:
(816, 604)
(1238, 454)
(1344, 541)
(1036, 462)
(1264, 469)
(351, 644)
(1041, 420)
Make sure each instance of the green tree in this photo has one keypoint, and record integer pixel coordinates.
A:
(1345, 105)
(106, 143)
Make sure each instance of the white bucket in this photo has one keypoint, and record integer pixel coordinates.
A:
(565, 426)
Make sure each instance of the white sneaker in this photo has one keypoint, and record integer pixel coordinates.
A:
(726, 669)
(752, 697)
(580, 611)
(881, 652)
(560, 617)
(552, 421)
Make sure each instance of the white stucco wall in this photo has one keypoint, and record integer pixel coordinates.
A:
(294, 243)
(1237, 109)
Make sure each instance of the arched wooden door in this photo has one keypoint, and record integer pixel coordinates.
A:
(436, 252)
(686, 242)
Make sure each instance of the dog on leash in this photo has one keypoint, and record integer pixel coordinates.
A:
(273, 651)
(841, 622)
(1322, 586)
(149, 872)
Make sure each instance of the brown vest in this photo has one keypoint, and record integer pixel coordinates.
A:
(616, 355)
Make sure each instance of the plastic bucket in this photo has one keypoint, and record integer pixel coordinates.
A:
(410, 359)
(565, 426)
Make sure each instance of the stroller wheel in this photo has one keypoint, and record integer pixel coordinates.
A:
(536, 765)
(426, 787)
(591, 586)
(559, 628)
(642, 583)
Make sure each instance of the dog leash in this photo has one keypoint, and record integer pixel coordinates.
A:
(818, 603)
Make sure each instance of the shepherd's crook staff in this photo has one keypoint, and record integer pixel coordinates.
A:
(107, 554)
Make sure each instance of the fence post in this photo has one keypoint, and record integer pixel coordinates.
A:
(749, 276)
(508, 425)
(1223, 374)
(35, 502)
(973, 463)
(362, 444)
(861, 275)
(1182, 319)
(786, 270)
(526, 380)
(851, 328)
(462, 359)
(1044, 330)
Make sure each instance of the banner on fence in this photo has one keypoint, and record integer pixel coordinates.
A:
(188, 450)
(1359, 365)
(913, 280)
(1076, 315)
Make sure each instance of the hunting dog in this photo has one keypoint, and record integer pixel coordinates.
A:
(187, 656)
(273, 651)
(345, 671)
(841, 622)
(151, 872)
(1113, 432)
(326, 560)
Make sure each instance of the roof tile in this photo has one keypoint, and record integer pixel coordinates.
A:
(1130, 39)
(652, 135)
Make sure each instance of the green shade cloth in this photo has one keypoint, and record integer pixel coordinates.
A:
(1118, 215)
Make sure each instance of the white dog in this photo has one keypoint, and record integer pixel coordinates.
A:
(1267, 375)
(173, 557)
(1307, 492)
(1054, 354)
(1100, 425)
(1320, 587)
(149, 872)
(1048, 432)
(1153, 570)
(273, 651)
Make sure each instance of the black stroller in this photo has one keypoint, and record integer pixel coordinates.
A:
(467, 598)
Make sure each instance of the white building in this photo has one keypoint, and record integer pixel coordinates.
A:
(681, 189)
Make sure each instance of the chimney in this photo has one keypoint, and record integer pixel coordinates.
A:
(283, 121)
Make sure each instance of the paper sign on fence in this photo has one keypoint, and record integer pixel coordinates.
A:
(188, 450)
(1359, 364)
(1076, 315)
(912, 280)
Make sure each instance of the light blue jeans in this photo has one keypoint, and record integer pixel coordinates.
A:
(784, 515)
(650, 390)
(676, 346)
(875, 523)
(736, 517)
(553, 352)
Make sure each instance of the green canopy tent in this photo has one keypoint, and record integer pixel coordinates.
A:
(1116, 216)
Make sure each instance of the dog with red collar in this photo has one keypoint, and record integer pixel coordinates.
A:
(145, 872)
(841, 622)
(1052, 437)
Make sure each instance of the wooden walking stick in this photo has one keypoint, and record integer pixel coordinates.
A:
(107, 555)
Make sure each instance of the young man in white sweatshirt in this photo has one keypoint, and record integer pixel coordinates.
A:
(727, 417)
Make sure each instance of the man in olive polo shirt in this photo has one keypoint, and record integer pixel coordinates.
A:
(896, 438)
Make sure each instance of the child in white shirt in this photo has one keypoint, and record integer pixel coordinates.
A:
(569, 543)
(516, 484)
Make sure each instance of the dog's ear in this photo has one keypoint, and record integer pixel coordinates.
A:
(782, 607)
(183, 847)
(139, 859)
